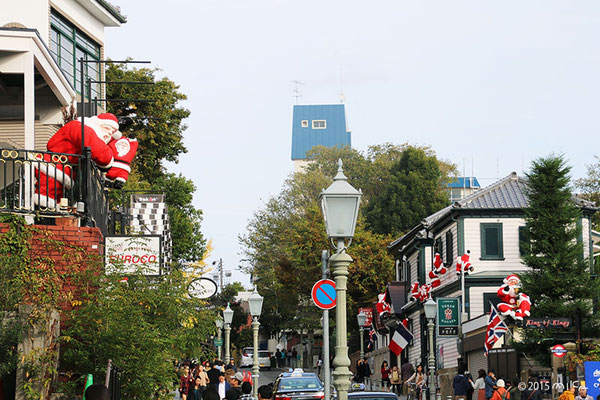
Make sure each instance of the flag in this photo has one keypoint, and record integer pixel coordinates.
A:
(372, 337)
(496, 328)
(400, 339)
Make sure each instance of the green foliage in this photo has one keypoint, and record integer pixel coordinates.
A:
(143, 326)
(590, 187)
(558, 280)
(414, 190)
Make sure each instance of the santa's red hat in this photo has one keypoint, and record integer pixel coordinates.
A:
(107, 119)
(511, 277)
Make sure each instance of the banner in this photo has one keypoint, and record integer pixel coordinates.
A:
(131, 254)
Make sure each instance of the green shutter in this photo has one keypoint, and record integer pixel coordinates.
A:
(491, 241)
(449, 248)
(524, 241)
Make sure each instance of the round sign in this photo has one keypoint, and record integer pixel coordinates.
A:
(203, 288)
(558, 350)
(323, 294)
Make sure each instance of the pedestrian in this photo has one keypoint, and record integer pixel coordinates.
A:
(568, 394)
(246, 391)
(294, 357)
(282, 359)
(583, 394)
(184, 382)
(235, 391)
(406, 370)
(385, 376)
(195, 391)
(479, 385)
(515, 392)
(204, 379)
(97, 391)
(213, 373)
(288, 358)
(211, 394)
(461, 385)
(278, 358)
(532, 392)
(222, 386)
(366, 373)
(396, 380)
(359, 378)
(490, 383)
(501, 393)
(419, 378)
(231, 365)
(265, 392)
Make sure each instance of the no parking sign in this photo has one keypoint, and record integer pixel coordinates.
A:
(323, 294)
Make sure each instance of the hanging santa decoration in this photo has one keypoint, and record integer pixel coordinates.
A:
(463, 264)
(514, 303)
(124, 150)
(437, 272)
(382, 306)
(419, 292)
(53, 176)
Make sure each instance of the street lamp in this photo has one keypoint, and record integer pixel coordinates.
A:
(219, 324)
(227, 318)
(362, 323)
(430, 307)
(339, 203)
(255, 302)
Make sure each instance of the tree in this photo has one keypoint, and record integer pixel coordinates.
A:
(558, 280)
(414, 190)
(590, 186)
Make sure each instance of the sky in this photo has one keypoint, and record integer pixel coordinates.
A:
(489, 85)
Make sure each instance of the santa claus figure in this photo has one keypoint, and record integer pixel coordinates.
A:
(124, 150)
(415, 293)
(437, 272)
(382, 306)
(463, 264)
(514, 303)
(53, 174)
(425, 293)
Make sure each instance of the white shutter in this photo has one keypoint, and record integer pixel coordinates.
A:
(477, 361)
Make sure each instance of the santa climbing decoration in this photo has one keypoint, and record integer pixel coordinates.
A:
(514, 303)
(56, 173)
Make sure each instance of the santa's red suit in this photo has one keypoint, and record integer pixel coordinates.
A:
(53, 173)
(514, 304)
(438, 271)
(463, 264)
(124, 150)
(382, 306)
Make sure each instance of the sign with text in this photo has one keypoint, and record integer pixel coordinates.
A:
(132, 254)
(592, 378)
(368, 311)
(549, 322)
(448, 316)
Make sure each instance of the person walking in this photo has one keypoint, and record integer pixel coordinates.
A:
(236, 391)
(366, 373)
(407, 371)
(500, 393)
(490, 383)
(385, 376)
(294, 357)
(515, 392)
(532, 394)
(222, 386)
(195, 391)
(396, 380)
(246, 391)
(568, 394)
(359, 378)
(461, 385)
(583, 394)
(479, 385)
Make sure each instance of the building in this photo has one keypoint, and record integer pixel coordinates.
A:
(317, 125)
(462, 187)
(490, 224)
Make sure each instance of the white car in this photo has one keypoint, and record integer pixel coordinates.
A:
(247, 360)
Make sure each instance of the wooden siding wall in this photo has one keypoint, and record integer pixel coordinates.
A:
(585, 230)
(510, 239)
(13, 133)
(476, 299)
(450, 275)
(414, 350)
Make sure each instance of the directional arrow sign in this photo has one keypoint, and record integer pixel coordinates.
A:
(323, 294)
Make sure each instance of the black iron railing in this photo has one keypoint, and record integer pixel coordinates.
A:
(50, 184)
(113, 381)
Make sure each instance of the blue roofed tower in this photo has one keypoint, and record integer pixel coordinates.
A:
(317, 125)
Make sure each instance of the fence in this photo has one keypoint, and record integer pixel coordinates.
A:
(52, 185)
(113, 381)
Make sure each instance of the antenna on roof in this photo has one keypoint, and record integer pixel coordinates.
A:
(297, 91)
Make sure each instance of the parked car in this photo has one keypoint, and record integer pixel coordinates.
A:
(247, 359)
(298, 385)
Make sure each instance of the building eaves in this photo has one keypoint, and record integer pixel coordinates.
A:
(113, 10)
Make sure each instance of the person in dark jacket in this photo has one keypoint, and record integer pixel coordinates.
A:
(461, 385)
(490, 383)
(531, 393)
(407, 370)
(366, 373)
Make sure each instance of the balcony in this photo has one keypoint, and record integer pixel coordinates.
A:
(53, 186)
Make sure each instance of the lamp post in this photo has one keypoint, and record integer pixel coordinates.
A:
(227, 318)
(430, 307)
(339, 203)
(219, 324)
(255, 302)
(362, 322)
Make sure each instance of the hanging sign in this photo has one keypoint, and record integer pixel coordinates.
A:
(448, 318)
(368, 311)
(133, 254)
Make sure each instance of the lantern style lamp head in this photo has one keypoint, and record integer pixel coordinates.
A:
(362, 319)
(430, 309)
(228, 315)
(219, 323)
(255, 302)
(339, 203)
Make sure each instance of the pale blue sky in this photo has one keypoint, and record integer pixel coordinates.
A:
(495, 84)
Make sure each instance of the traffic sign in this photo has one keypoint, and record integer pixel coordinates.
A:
(323, 294)
(218, 342)
(558, 350)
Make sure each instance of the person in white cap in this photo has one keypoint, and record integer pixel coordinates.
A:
(501, 393)
(583, 394)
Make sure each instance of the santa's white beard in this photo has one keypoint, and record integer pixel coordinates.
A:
(92, 122)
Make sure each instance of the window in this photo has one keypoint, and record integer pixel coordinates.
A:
(449, 248)
(490, 298)
(305, 123)
(421, 267)
(524, 241)
(491, 242)
(319, 124)
(67, 45)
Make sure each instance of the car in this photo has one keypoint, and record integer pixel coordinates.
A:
(247, 359)
(359, 395)
(298, 385)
